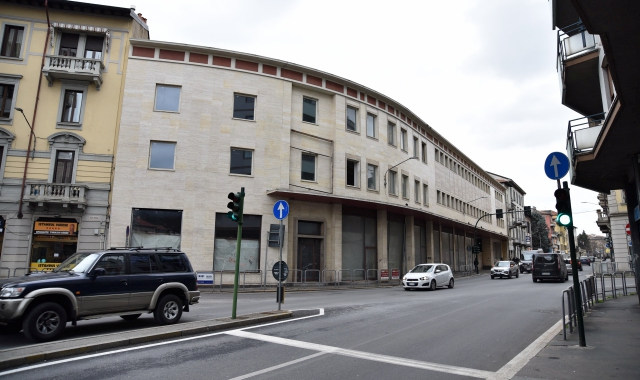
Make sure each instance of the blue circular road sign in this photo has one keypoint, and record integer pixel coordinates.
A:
(556, 165)
(281, 209)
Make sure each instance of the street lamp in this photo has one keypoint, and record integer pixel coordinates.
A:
(385, 173)
(464, 208)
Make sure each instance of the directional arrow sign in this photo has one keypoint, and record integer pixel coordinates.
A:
(556, 165)
(281, 209)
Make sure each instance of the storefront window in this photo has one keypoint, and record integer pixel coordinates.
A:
(54, 241)
(153, 228)
(224, 250)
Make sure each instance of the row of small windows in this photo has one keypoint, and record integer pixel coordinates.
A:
(455, 167)
(516, 197)
(458, 205)
(499, 197)
(500, 222)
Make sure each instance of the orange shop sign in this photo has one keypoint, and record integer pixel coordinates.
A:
(55, 228)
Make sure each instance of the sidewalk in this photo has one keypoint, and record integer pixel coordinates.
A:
(612, 335)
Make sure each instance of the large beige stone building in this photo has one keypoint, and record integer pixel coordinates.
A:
(370, 185)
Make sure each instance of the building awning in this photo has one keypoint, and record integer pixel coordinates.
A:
(79, 29)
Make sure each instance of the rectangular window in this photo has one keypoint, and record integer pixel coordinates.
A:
(416, 147)
(69, 44)
(309, 109)
(241, 161)
(392, 183)
(391, 134)
(93, 47)
(352, 117)
(156, 228)
(162, 155)
(172, 263)
(405, 185)
(6, 103)
(353, 173)
(424, 152)
(72, 106)
(371, 125)
(63, 171)
(372, 177)
(416, 191)
(12, 41)
(425, 195)
(244, 107)
(403, 139)
(224, 249)
(143, 263)
(167, 98)
(308, 172)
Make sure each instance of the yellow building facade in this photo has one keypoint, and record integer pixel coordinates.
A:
(61, 80)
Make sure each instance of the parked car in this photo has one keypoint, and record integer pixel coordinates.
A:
(127, 282)
(428, 276)
(549, 266)
(585, 260)
(506, 269)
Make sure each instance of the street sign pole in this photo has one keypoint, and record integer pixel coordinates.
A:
(238, 244)
(281, 238)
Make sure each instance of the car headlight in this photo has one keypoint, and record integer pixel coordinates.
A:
(404, 277)
(424, 278)
(11, 292)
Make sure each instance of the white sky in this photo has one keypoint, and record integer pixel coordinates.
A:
(482, 73)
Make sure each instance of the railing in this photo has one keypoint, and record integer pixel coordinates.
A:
(589, 298)
(8, 271)
(90, 66)
(56, 192)
(312, 272)
(583, 133)
(333, 279)
(572, 41)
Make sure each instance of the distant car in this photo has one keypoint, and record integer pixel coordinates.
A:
(428, 276)
(585, 260)
(577, 262)
(506, 269)
(569, 268)
(549, 266)
(526, 263)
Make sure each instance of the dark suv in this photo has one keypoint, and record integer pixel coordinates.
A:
(549, 266)
(120, 281)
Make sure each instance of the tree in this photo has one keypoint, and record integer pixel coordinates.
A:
(584, 242)
(539, 232)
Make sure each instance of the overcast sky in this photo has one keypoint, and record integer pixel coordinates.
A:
(482, 73)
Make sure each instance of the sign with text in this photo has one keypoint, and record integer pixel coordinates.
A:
(55, 228)
(384, 274)
(395, 274)
(43, 267)
(205, 279)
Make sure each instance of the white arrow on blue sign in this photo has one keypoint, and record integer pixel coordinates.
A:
(281, 209)
(556, 165)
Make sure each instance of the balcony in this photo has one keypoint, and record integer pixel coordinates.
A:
(578, 70)
(63, 67)
(603, 222)
(65, 194)
(583, 134)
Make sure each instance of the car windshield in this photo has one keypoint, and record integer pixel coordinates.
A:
(502, 264)
(79, 263)
(545, 259)
(421, 269)
(527, 256)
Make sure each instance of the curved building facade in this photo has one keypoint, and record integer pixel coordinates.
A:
(371, 187)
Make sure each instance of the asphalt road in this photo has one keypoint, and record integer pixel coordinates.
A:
(475, 329)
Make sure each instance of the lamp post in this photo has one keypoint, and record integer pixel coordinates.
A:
(385, 173)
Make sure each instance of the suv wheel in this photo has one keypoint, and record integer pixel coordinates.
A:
(45, 322)
(168, 310)
(130, 317)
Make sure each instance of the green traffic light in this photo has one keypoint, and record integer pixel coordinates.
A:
(564, 219)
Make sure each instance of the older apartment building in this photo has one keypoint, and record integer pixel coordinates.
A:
(597, 65)
(61, 79)
(516, 222)
(370, 185)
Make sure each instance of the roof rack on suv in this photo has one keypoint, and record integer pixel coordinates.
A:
(125, 248)
(140, 248)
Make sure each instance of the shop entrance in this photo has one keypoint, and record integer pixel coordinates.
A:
(54, 240)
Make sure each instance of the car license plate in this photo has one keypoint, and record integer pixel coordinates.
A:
(413, 283)
(545, 273)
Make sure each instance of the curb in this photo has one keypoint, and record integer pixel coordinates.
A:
(59, 349)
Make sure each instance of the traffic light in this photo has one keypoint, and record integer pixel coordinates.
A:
(499, 213)
(527, 211)
(236, 205)
(563, 205)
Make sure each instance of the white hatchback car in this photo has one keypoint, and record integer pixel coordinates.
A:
(428, 276)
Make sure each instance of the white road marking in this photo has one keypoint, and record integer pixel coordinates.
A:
(365, 355)
(256, 373)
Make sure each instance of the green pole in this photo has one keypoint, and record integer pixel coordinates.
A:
(238, 245)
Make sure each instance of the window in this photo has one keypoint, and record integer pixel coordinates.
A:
(405, 185)
(162, 155)
(403, 139)
(244, 107)
(416, 147)
(172, 263)
(224, 248)
(392, 183)
(371, 125)
(352, 173)
(352, 116)
(156, 228)
(167, 98)
(309, 109)
(113, 265)
(143, 263)
(372, 177)
(425, 195)
(63, 170)
(93, 47)
(241, 161)
(71, 106)
(12, 41)
(6, 103)
(308, 172)
(424, 152)
(391, 134)
(416, 192)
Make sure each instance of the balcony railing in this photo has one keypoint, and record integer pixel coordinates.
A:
(573, 41)
(583, 133)
(59, 193)
(60, 66)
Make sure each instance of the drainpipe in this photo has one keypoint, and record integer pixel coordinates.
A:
(35, 111)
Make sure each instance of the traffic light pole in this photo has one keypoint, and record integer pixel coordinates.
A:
(475, 229)
(238, 245)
